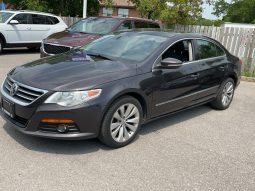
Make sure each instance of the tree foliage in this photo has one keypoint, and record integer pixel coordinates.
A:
(171, 11)
(239, 11)
(59, 7)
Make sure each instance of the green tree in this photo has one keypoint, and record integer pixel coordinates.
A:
(240, 11)
(59, 7)
(171, 11)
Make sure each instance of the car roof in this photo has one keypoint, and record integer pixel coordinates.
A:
(125, 18)
(28, 11)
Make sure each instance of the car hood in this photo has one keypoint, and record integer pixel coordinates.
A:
(71, 39)
(72, 71)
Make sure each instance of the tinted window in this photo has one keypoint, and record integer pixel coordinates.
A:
(181, 50)
(219, 51)
(140, 25)
(154, 25)
(127, 25)
(95, 25)
(51, 20)
(126, 46)
(206, 49)
(23, 18)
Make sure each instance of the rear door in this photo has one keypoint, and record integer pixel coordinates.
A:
(41, 27)
(19, 33)
(213, 63)
(176, 88)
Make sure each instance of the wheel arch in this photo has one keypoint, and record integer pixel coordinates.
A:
(3, 38)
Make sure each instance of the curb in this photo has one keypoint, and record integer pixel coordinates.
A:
(248, 79)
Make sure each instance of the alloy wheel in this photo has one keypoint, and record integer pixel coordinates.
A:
(228, 92)
(124, 123)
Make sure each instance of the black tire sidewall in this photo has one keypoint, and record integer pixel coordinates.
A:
(105, 134)
(2, 46)
(217, 103)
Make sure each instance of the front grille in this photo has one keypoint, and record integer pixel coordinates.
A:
(24, 94)
(52, 128)
(55, 49)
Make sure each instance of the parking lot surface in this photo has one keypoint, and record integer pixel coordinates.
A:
(198, 149)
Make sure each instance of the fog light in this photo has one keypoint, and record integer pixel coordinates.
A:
(62, 128)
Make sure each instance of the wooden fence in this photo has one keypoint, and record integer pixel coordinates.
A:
(239, 41)
(70, 20)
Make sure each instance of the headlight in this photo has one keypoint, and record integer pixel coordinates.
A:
(73, 98)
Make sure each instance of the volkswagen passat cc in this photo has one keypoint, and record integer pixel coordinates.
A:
(111, 86)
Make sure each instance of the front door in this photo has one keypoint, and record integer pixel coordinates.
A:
(20, 33)
(176, 88)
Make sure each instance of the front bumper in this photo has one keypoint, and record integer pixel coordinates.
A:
(85, 117)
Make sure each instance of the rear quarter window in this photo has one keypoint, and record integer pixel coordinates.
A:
(206, 49)
(154, 25)
(141, 25)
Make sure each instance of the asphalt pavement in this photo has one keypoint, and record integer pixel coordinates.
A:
(198, 149)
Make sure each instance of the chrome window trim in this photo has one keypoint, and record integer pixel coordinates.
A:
(10, 98)
(189, 62)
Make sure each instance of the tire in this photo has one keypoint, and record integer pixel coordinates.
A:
(225, 95)
(119, 130)
(1, 46)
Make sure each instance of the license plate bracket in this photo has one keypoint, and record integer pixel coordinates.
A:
(8, 108)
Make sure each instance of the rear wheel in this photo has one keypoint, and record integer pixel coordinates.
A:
(121, 122)
(1, 45)
(225, 95)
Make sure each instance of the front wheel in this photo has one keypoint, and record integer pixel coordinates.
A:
(225, 95)
(121, 123)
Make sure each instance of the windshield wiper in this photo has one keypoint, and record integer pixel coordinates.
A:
(99, 56)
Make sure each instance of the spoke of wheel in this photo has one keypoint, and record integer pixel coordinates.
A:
(121, 131)
(133, 120)
(122, 111)
(230, 89)
(115, 132)
(129, 109)
(126, 134)
(132, 127)
(133, 112)
(114, 126)
(117, 116)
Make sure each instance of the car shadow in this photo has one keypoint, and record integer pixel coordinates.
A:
(10, 51)
(93, 145)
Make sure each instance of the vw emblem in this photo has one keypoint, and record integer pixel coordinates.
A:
(14, 88)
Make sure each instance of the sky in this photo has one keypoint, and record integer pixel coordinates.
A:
(207, 11)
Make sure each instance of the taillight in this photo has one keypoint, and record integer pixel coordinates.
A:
(241, 62)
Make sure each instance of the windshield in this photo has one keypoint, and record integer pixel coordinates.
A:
(4, 16)
(94, 25)
(126, 46)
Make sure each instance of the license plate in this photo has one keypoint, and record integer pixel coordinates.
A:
(8, 108)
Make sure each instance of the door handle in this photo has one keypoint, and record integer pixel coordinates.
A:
(194, 75)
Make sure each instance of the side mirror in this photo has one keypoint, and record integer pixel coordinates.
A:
(14, 22)
(169, 63)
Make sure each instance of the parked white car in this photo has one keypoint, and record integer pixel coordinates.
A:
(27, 28)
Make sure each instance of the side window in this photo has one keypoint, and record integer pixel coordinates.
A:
(51, 20)
(153, 26)
(220, 51)
(39, 19)
(23, 18)
(181, 50)
(127, 25)
(208, 49)
(141, 25)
